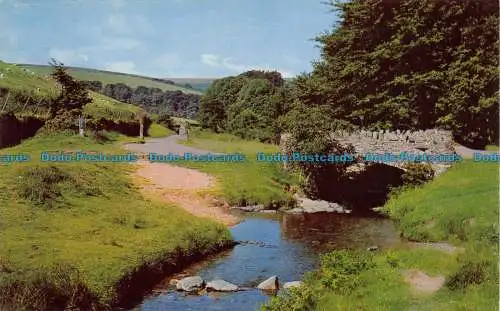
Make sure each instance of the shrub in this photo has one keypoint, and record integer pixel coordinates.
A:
(44, 185)
(309, 130)
(477, 265)
(294, 299)
(340, 269)
(468, 273)
(166, 120)
(51, 289)
(40, 185)
(417, 174)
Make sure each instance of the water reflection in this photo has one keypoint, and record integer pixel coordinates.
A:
(289, 246)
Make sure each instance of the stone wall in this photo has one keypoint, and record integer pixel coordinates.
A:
(431, 141)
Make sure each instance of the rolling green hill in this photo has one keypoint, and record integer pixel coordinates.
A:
(197, 83)
(108, 77)
(17, 80)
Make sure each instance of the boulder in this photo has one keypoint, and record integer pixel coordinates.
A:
(296, 210)
(292, 284)
(250, 208)
(190, 284)
(221, 286)
(270, 284)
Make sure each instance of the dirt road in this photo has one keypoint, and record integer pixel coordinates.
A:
(184, 187)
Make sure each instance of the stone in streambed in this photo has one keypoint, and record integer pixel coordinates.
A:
(271, 283)
(292, 284)
(190, 284)
(221, 286)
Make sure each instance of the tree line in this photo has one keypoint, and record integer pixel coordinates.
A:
(247, 105)
(153, 100)
(404, 64)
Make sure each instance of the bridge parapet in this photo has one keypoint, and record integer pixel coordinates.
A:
(432, 141)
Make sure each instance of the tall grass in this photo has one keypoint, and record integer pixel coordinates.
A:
(460, 206)
(82, 234)
(243, 183)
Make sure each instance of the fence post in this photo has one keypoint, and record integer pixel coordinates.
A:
(26, 103)
(36, 108)
(81, 124)
(5, 103)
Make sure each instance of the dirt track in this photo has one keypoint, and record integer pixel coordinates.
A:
(178, 185)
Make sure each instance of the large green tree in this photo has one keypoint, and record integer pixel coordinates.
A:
(68, 105)
(247, 105)
(410, 64)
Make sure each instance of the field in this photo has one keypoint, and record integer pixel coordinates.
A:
(72, 232)
(109, 108)
(459, 207)
(243, 183)
(17, 79)
(108, 77)
(20, 81)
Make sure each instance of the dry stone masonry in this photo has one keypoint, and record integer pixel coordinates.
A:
(433, 141)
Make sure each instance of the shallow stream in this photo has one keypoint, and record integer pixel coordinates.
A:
(286, 245)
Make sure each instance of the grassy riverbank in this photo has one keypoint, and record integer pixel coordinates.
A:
(81, 234)
(459, 207)
(242, 183)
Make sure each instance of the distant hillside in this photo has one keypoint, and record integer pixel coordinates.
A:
(197, 83)
(108, 77)
(23, 91)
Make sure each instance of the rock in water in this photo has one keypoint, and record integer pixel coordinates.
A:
(292, 284)
(190, 284)
(271, 283)
(221, 286)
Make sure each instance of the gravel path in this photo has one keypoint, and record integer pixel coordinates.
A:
(465, 152)
(178, 185)
(165, 145)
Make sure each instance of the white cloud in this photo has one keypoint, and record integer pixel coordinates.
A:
(210, 60)
(167, 61)
(125, 67)
(68, 57)
(227, 63)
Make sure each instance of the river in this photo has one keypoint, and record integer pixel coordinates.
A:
(286, 245)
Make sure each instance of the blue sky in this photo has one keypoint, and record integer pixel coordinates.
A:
(165, 38)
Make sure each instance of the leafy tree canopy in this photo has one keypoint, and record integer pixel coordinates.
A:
(410, 64)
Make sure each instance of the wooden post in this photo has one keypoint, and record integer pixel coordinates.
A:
(26, 103)
(141, 128)
(6, 100)
(81, 125)
(36, 108)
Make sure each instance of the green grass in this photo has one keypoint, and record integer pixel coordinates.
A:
(242, 183)
(18, 80)
(86, 216)
(15, 78)
(492, 148)
(157, 130)
(108, 77)
(460, 206)
(189, 121)
(109, 108)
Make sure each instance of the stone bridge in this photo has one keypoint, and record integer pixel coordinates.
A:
(433, 141)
